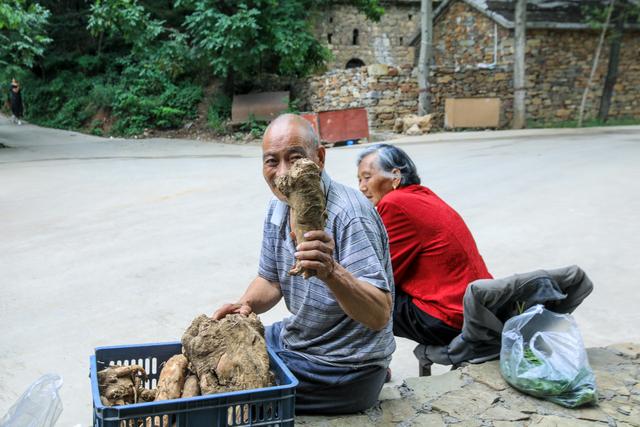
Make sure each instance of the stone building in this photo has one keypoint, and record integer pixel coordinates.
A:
(473, 56)
(475, 35)
(356, 41)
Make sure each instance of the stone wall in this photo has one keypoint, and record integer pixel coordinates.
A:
(558, 67)
(385, 91)
(558, 64)
(477, 396)
(464, 38)
(473, 58)
(389, 92)
(384, 42)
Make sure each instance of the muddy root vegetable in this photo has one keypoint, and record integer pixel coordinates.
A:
(228, 354)
(191, 387)
(172, 378)
(301, 185)
(121, 385)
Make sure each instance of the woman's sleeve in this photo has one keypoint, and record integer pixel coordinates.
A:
(404, 242)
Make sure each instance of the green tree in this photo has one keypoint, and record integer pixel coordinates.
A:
(123, 18)
(243, 38)
(23, 37)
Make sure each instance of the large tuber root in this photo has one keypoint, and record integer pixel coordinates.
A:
(228, 354)
(121, 385)
(301, 186)
(191, 387)
(172, 378)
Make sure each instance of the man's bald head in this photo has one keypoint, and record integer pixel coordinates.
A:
(291, 126)
(287, 139)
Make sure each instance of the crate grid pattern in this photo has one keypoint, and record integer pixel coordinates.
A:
(270, 406)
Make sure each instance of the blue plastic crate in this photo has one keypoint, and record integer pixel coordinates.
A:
(270, 406)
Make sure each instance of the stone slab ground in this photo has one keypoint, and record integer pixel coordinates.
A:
(476, 395)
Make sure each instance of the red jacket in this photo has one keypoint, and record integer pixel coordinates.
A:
(433, 253)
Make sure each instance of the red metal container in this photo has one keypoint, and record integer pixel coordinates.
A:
(313, 119)
(343, 125)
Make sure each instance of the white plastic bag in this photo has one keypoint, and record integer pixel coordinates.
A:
(39, 406)
(543, 355)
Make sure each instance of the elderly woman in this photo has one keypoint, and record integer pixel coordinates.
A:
(433, 254)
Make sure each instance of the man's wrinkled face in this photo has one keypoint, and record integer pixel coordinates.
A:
(281, 147)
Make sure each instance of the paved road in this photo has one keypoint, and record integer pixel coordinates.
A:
(108, 242)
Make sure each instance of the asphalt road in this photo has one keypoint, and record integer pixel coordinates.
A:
(109, 242)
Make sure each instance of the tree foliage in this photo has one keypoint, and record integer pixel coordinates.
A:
(143, 63)
(124, 18)
(22, 32)
(245, 37)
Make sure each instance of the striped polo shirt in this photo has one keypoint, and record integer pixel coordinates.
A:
(319, 329)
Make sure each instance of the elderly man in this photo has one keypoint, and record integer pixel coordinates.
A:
(338, 341)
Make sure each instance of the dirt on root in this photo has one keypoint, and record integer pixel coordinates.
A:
(301, 186)
(228, 354)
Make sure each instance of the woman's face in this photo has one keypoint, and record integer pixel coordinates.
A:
(372, 181)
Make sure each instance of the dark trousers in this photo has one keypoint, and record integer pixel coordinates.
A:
(411, 322)
(326, 389)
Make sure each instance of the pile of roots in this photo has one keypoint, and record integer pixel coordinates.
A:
(217, 356)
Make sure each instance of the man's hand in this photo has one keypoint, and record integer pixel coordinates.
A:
(239, 308)
(317, 253)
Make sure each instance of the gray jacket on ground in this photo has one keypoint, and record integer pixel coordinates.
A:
(488, 303)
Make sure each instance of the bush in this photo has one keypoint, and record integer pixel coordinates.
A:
(168, 117)
(151, 89)
(255, 127)
(219, 113)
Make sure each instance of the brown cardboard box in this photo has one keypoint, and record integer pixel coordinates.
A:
(472, 112)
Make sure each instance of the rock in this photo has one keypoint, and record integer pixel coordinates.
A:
(609, 381)
(389, 393)
(589, 414)
(409, 121)
(467, 402)
(556, 421)
(378, 70)
(413, 130)
(485, 373)
(508, 424)
(431, 420)
(498, 413)
(397, 411)
(513, 399)
(429, 388)
(630, 350)
(339, 421)
(603, 358)
(622, 412)
(398, 125)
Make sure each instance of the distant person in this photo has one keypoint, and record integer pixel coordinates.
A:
(433, 253)
(15, 99)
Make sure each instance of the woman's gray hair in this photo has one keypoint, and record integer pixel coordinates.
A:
(391, 157)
